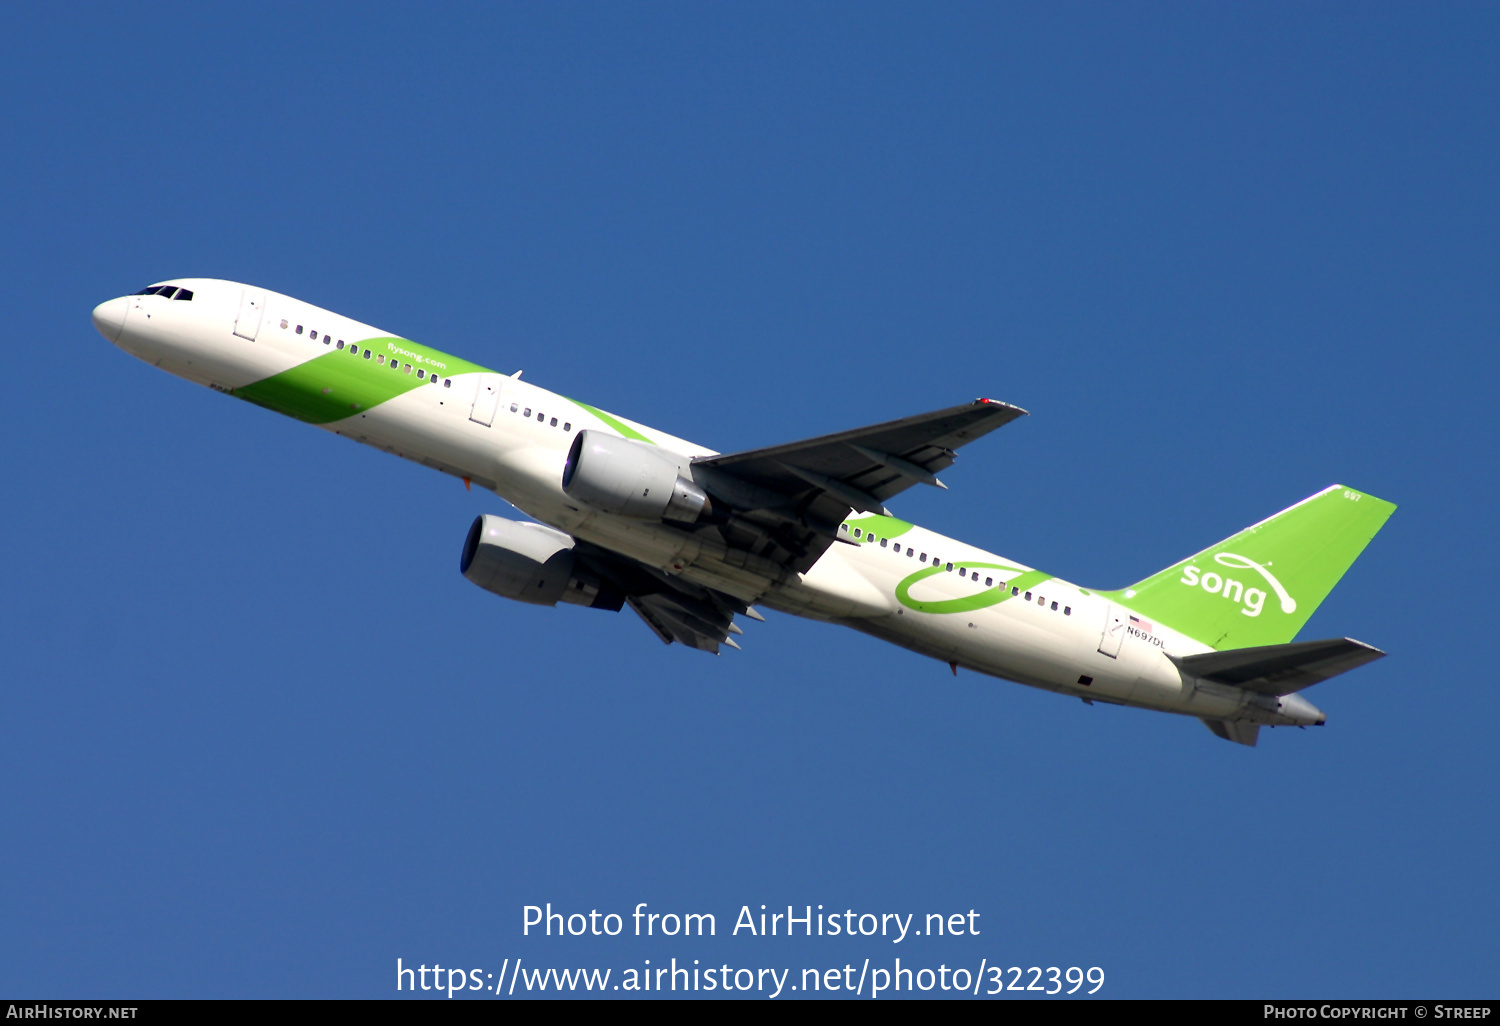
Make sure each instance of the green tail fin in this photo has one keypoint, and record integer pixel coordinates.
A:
(1260, 586)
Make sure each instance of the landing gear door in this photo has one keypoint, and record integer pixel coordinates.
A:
(1114, 631)
(252, 308)
(486, 399)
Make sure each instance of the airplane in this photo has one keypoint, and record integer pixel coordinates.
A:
(691, 539)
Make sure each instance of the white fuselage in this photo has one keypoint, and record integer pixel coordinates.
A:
(1055, 639)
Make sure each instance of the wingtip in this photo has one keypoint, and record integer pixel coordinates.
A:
(985, 400)
(982, 401)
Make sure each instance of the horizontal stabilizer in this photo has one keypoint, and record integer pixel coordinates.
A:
(1238, 731)
(1279, 669)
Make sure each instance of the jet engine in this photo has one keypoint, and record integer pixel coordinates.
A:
(632, 479)
(531, 563)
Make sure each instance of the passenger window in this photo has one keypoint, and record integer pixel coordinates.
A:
(313, 335)
(406, 368)
(283, 322)
(299, 329)
(380, 359)
(327, 339)
(924, 557)
(341, 344)
(354, 350)
(962, 572)
(950, 568)
(447, 382)
(1028, 596)
(1041, 601)
(554, 422)
(1016, 591)
(910, 551)
(540, 417)
(1067, 610)
(527, 413)
(988, 581)
(567, 427)
(421, 374)
(367, 354)
(883, 542)
(1054, 607)
(513, 407)
(857, 532)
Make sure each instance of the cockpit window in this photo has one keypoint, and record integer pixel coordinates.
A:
(165, 291)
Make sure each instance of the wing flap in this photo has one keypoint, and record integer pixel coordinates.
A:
(674, 609)
(677, 618)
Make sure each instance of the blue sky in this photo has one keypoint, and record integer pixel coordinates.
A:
(261, 737)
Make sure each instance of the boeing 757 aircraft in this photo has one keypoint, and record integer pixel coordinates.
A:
(690, 538)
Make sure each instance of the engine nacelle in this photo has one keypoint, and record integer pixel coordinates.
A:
(632, 479)
(531, 563)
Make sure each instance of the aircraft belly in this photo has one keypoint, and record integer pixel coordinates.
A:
(182, 350)
(401, 426)
(649, 543)
(833, 588)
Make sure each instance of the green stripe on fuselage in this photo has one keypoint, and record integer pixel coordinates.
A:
(879, 526)
(339, 383)
(613, 421)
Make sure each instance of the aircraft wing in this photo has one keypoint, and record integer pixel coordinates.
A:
(868, 464)
(785, 503)
(1280, 669)
(779, 509)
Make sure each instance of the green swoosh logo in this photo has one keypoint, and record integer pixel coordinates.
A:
(981, 600)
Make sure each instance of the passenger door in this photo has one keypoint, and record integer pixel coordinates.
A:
(252, 308)
(1114, 631)
(486, 399)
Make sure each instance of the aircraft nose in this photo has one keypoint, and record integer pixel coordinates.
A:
(109, 317)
